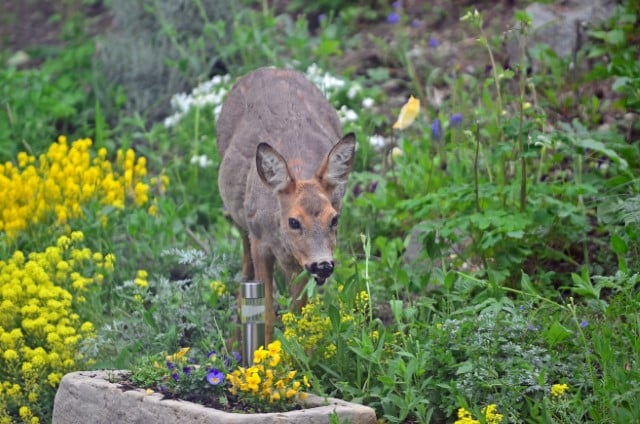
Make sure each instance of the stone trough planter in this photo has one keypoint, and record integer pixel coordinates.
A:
(90, 397)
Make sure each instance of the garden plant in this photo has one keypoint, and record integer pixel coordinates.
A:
(488, 264)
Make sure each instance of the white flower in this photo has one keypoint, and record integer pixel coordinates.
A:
(347, 115)
(368, 102)
(202, 161)
(354, 90)
(377, 141)
(210, 92)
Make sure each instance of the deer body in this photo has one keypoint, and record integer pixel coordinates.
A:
(282, 176)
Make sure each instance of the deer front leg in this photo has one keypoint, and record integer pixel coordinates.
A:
(263, 262)
(247, 262)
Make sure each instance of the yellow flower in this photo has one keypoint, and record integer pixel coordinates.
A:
(275, 360)
(259, 355)
(275, 347)
(10, 355)
(491, 415)
(408, 113)
(558, 390)
(24, 412)
(178, 355)
(218, 287)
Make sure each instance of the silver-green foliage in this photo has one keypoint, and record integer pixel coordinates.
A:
(157, 48)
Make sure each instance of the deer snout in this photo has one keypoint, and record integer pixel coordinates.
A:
(320, 270)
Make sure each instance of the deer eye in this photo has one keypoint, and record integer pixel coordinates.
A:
(334, 221)
(294, 224)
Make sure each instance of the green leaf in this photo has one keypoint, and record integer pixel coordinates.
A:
(618, 245)
(465, 368)
(615, 37)
(526, 286)
(556, 334)
(598, 146)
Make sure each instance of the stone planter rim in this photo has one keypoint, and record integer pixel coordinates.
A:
(97, 397)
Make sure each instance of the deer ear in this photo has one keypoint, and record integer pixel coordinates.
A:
(272, 168)
(336, 167)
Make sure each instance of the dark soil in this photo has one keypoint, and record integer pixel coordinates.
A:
(30, 24)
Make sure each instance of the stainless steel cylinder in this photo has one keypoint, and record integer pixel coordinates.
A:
(251, 319)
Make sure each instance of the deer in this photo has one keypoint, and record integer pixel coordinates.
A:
(283, 171)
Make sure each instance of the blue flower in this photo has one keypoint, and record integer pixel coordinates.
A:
(436, 129)
(455, 120)
(393, 18)
(584, 323)
(215, 376)
(175, 376)
(170, 365)
(186, 371)
(433, 42)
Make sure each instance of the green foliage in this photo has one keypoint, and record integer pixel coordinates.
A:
(488, 254)
(41, 103)
(187, 374)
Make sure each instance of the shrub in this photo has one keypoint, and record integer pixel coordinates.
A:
(41, 330)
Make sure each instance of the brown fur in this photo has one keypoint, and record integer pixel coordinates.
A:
(283, 159)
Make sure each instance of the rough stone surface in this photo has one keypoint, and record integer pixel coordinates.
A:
(89, 397)
(560, 24)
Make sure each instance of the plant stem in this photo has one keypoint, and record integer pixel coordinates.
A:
(475, 168)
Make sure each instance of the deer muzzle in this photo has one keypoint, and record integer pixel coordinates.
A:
(320, 270)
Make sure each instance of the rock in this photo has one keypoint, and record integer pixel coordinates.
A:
(18, 59)
(90, 397)
(560, 25)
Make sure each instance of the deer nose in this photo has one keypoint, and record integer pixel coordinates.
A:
(320, 270)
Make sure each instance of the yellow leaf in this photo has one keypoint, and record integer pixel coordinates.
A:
(408, 113)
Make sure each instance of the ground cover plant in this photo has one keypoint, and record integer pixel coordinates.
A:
(488, 263)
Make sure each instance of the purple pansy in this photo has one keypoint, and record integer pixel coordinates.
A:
(215, 376)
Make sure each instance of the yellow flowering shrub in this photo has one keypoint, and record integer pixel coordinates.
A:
(312, 329)
(270, 383)
(40, 331)
(55, 186)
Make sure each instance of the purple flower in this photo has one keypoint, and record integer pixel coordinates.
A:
(170, 365)
(584, 323)
(321, 18)
(175, 376)
(236, 356)
(393, 18)
(433, 42)
(396, 4)
(215, 376)
(372, 187)
(533, 327)
(186, 371)
(436, 129)
(357, 190)
(212, 355)
(455, 120)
